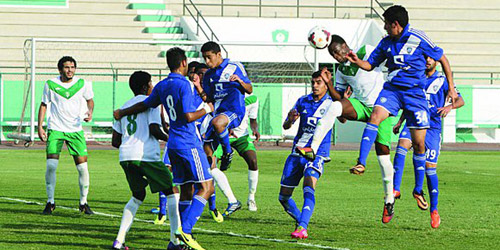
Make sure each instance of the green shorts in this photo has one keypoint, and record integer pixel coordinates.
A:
(241, 145)
(141, 173)
(74, 140)
(384, 134)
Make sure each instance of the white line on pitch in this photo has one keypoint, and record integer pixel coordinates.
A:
(198, 229)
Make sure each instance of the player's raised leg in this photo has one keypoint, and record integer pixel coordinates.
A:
(418, 139)
(404, 144)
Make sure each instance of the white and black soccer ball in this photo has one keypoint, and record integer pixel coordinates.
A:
(319, 37)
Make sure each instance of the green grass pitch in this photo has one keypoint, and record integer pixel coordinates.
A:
(347, 215)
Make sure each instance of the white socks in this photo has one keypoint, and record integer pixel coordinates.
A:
(127, 218)
(387, 176)
(223, 184)
(253, 179)
(326, 123)
(83, 181)
(50, 179)
(173, 216)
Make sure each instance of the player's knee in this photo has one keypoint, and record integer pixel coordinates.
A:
(419, 147)
(219, 122)
(52, 165)
(252, 164)
(140, 195)
(382, 149)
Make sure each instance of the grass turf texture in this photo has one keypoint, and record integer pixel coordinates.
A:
(347, 214)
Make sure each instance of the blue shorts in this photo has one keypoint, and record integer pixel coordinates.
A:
(413, 101)
(211, 134)
(432, 143)
(296, 167)
(166, 160)
(189, 165)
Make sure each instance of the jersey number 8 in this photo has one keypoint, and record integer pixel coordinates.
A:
(171, 111)
(132, 124)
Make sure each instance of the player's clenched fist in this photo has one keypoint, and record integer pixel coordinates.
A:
(41, 134)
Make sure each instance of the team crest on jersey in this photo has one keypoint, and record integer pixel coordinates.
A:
(409, 49)
(322, 111)
(226, 76)
(67, 94)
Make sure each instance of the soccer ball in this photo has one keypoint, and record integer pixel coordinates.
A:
(319, 37)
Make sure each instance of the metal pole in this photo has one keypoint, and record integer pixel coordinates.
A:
(371, 9)
(33, 82)
(1, 108)
(298, 3)
(316, 63)
(491, 79)
(183, 7)
(221, 7)
(260, 8)
(335, 9)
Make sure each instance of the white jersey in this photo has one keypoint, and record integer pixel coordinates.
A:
(251, 112)
(365, 85)
(67, 103)
(137, 142)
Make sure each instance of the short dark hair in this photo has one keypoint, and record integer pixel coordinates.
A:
(316, 75)
(64, 59)
(139, 81)
(193, 64)
(337, 39)
(396, 13)
(210, 46)
(199, 67)
(175, 56)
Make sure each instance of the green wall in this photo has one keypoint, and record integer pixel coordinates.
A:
(34, 2)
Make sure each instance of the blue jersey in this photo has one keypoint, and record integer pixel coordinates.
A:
(436, 90)
(310, 113)
(406, 57)
(228, 95)
(176, 95)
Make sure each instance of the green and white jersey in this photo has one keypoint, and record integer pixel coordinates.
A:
(137, 142)
(252, 111)
(365, 85)
(67, 103)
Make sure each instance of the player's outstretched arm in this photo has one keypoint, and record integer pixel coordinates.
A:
(156, 131)
(116, 139)
(353, 58)
(452, 93)
(41, 115)
(205, 109)
(134, 109)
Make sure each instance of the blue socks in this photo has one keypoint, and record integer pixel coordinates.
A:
(432, 185)
(290, 207)
(224, 141)
(183, 208)
(211, 202)
(399, 165)
(163, 203)
(195, 210)
(367, 140)
(419, 167)
(308, 208)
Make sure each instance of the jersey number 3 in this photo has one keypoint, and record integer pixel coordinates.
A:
(171, 111)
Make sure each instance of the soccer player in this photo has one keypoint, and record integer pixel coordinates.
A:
(137, 138)
(189, 162)
(436, 89)
(366, 87)
(66, 95)
(243, 144)
(224, 84)
(310, 109)
(404, 49)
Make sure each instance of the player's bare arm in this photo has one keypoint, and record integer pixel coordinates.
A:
(247, 86)
(90, 107)
(255, 129)
(353, 58)
(452, 93)
(156, 131)
(41, 116)
(134, 109)
(116, 139)
(327, 78)
(293, 115)
(397, 127)
(443, 111)
(193, 116)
